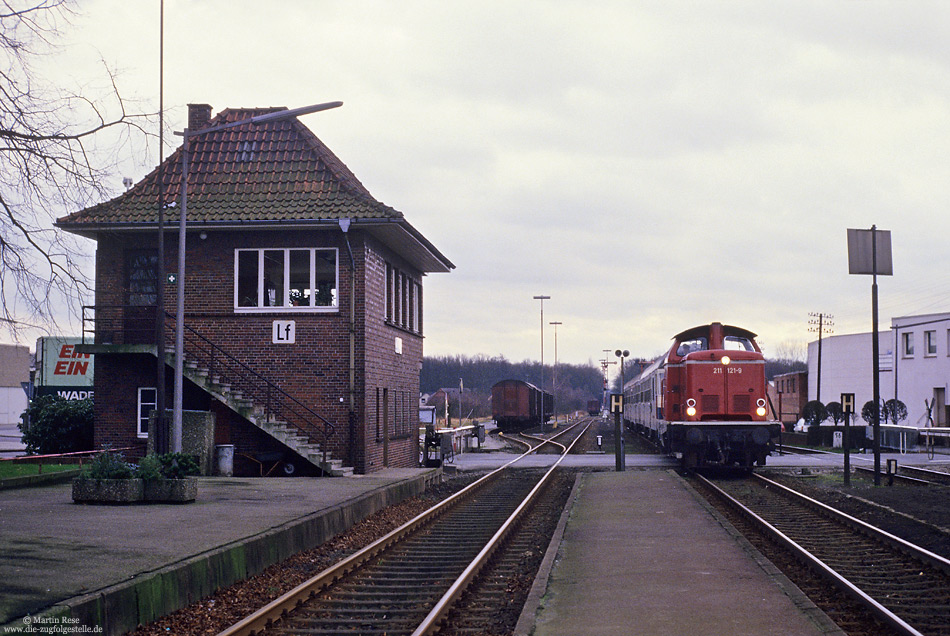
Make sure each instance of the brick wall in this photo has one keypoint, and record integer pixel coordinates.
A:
(315, 369)
(116, 403)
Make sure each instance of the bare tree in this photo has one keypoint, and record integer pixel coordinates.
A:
(50, 165)
(791, 350)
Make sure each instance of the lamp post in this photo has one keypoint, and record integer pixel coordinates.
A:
(187, 135)
(554, 381)
(541, 396)
(618, 428)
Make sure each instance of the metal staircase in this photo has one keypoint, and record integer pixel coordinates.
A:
(278, 414)
(246, 392)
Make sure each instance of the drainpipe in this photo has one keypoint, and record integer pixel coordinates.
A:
(351, 445)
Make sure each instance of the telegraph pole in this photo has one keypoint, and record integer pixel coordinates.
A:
(820, 323)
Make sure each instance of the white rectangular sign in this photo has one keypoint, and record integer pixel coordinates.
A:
(861, 257)
(285, 332)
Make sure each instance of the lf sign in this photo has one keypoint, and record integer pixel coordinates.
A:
(284, 332)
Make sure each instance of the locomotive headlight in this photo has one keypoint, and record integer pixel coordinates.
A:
(725, 360)
(760, 411)
(691, 407)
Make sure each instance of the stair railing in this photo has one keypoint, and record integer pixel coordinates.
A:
(277, 403)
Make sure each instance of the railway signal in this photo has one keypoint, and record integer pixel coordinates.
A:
(616, 407)
(847, 406)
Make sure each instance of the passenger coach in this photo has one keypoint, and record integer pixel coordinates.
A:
(704, 401)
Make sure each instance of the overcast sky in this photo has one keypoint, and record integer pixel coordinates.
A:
(650, 166)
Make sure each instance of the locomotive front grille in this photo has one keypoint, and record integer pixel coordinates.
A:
(741, 403)
(710, 403)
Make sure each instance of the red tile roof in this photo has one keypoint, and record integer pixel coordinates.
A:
(272, 171)
(277, 171)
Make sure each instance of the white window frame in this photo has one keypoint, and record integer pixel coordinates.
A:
(139, 418)
(930, 344)
(402, 300)
(907, 344)
(286, 307)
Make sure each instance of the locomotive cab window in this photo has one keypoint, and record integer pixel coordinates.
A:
(689, 346)
(737, 343)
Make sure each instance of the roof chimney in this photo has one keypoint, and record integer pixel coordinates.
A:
(198, 116)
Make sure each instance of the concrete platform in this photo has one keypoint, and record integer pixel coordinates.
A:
(640, 554)
(118, 566)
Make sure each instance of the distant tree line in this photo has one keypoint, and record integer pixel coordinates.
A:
(575, 384)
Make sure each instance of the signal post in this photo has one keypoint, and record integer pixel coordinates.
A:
(847, 405)
(616, 407)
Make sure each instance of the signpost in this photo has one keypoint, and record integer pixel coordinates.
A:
(847, 405)
(869, 252)
(616, 407)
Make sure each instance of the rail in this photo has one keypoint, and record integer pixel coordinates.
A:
(874, 602)
(124, 324)
(276, 611)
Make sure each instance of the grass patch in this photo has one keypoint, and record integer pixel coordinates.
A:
(22, 469)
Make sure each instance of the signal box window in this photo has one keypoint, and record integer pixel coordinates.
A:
(403, 300)
(286, 280)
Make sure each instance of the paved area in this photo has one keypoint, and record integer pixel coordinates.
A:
(641, 555)
(11, 443)
(115, 564)
(53, 551)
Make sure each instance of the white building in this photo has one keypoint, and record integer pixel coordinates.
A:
(922, 369)
(14, 369)
(847, 367)
(917, 375)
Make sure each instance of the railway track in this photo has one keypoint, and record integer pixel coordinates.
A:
(904, 587)
(407, 581)
(537, 442)
(914, 475)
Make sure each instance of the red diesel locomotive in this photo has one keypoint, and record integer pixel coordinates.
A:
(704, 401)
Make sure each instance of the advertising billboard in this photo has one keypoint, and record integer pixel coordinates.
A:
(62, 370)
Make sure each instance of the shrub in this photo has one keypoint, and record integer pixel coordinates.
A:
(108, 465)
(178, 465)
(895, 411)
(814, 413)
(57, 425)
(870, 410)
(149, 468)
(835, 413)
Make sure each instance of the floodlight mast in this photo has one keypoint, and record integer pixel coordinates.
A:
(177, 426)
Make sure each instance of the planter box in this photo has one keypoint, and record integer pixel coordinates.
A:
(108, 491)
(171, 490)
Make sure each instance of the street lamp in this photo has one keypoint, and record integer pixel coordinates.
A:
(187, 135)
(541, 396)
